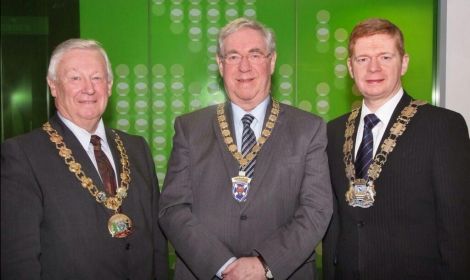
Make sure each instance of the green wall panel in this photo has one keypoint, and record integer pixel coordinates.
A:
(324, 28)
(163, 55)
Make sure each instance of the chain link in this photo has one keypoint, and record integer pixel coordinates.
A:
(387, 146)
(112, 202)
(244, 161)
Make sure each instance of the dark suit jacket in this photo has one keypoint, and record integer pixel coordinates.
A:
(419, 225)
(52, 228)
(288, 206)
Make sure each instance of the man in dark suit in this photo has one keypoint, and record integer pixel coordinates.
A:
(79, 200)
(400, 174)
(247, 194)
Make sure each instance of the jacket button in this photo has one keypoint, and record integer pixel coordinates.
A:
(243, 217)
(360, 224)
(128, 246)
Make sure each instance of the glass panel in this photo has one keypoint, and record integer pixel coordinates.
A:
(30, 30)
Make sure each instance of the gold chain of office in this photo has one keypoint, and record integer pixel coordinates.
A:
(110, 202)
(232, 147)
(386, 148)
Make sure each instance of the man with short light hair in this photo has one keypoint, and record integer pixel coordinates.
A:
(400, 176)
(80, 200)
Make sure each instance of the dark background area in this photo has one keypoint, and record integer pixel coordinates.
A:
(30, 29)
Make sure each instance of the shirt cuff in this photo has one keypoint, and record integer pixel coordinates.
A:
(221, 270)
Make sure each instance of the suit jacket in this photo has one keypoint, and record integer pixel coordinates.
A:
(288, 205)
(52, 228)
(418, 227)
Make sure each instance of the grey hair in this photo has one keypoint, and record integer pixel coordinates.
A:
(71, 44)
(240, 23)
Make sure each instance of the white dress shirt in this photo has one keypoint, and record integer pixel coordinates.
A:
(384, 113)
(84, 138)
(259, 112)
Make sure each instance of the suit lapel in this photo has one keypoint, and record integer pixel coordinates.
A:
(265, 156)
(404, 101)
(78, 152)
(356, 125)
(114, 151)
(231, 164)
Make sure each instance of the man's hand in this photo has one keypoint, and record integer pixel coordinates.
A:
(248, 268)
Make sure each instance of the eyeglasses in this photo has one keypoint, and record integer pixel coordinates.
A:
(253, 58)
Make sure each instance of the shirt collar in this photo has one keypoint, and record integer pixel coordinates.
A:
(384, 113)
(258, 112)
(83, 135)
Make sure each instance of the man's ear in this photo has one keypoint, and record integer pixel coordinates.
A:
(350, 69)
(404, 63)
(52, 86)
(273, 62)
(220, 64)
(110, 88)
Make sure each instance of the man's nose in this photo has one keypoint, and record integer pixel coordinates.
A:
(88, 86)
(245, 64)
(374, 65)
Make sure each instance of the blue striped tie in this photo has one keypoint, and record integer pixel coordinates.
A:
(248, 141)
(365, 152)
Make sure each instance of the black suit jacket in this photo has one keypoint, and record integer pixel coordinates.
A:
(52, 228)
(419, 225)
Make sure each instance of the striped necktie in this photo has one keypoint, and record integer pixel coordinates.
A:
(104, 166)
(365, 152)
(248, 141)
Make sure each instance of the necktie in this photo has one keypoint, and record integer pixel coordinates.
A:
(104, 166)
(365, 152)
(248, 141)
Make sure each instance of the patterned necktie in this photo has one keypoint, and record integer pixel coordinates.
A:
(365, 152)
(104, 166)
(248, 141)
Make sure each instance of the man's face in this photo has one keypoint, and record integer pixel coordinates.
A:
(81, 88)
(376, 66)
(247, 83)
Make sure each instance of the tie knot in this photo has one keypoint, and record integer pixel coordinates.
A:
(95, 141)
(371, 120)
(247, 119)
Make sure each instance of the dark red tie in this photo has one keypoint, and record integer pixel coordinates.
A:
(104, 166)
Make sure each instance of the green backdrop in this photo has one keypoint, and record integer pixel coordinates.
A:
(163, 55)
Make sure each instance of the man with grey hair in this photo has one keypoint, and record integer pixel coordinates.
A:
(247, 194)
(80, 200)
